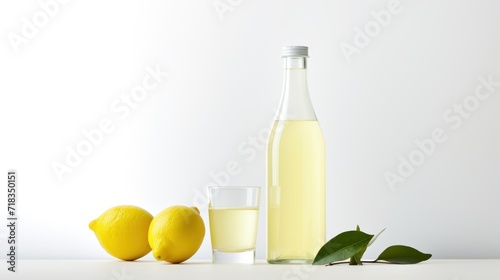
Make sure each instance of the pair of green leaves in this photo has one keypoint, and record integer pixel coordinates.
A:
(352, 245)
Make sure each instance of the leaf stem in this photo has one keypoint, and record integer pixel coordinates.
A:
(335, 263)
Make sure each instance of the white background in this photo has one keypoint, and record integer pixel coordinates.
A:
(224, 86)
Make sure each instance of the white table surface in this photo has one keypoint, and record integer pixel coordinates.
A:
(118, 270)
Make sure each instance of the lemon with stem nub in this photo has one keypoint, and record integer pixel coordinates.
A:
(176, 233)
(123, 231)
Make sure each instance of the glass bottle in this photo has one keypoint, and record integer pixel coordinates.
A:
(295, 170)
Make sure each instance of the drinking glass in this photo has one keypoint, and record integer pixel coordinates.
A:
(233, 213)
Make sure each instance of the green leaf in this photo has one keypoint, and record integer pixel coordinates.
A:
(375, 238)
(342, 246)
(401, 254)
(356, 259)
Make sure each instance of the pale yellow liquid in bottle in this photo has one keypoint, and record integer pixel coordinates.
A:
(233, 229)
(296, 191)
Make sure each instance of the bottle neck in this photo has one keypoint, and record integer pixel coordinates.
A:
(295, 101)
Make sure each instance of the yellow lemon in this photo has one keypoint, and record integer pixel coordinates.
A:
(176, 233)
(123, 232)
